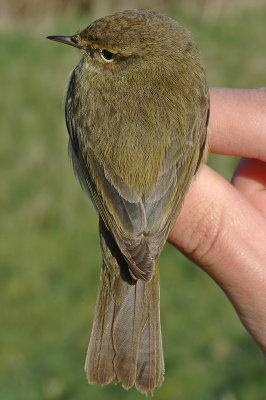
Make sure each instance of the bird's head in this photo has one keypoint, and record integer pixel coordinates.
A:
(126, 38)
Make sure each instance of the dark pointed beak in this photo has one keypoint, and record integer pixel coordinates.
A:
(71, 40)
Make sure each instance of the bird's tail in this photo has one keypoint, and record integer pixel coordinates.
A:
(125, 343)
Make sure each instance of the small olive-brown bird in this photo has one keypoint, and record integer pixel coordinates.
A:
(136, 112)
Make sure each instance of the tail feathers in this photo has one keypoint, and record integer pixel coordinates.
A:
(125, 342)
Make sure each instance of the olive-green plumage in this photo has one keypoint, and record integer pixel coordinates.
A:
(136, 111)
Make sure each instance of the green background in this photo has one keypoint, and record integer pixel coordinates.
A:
(49, 252)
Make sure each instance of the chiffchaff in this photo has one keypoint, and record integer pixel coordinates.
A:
(137, 112)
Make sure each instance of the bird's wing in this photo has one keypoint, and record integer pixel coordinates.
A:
(139, 225)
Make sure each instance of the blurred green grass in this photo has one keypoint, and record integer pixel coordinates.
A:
(49, 252)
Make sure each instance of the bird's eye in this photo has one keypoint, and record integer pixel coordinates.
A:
(107, 55)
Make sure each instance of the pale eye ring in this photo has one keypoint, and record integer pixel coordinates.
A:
(107, 55)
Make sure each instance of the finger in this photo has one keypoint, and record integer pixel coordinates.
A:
(250, 179)
(238, 122)
(222, 232)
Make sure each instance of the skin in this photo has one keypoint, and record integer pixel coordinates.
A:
(222, 226)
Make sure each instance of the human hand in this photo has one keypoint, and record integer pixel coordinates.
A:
(222, 226)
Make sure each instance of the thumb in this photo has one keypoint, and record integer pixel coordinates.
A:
(223, 233)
